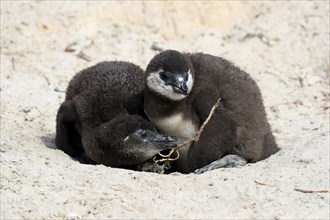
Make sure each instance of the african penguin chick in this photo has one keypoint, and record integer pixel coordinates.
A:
(102, 116)
(181, 90)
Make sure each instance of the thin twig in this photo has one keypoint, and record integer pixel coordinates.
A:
(157, 47)
(167, 158)
(263, 184)
(13, 63)
(311, 190)
(47, 80)
(70, 48)
(166, 155)
(198, 134)
(296, 189)
(83, 56)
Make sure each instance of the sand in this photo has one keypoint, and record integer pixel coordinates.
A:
(283, 45)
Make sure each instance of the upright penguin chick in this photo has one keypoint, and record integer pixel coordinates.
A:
(181, 90)
(102, 116)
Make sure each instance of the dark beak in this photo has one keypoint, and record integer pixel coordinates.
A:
(178, 81)
(181, 88)
(160, 141)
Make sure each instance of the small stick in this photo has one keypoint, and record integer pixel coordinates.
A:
(168, 155)
(83, 56)
(198, 134)
(47, 80)
(263, 184)
(157, 47)
(13, 63)
(167, 158)
(311, 190)
(69, 48)
(260, 183)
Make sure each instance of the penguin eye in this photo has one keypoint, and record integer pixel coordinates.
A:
(144, 134)
(163, 76)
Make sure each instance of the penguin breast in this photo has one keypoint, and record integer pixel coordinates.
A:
(177, 125)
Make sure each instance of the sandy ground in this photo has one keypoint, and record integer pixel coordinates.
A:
(283, 45)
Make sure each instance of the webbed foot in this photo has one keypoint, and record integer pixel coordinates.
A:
(228, 161)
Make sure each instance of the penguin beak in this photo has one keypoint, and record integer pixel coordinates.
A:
(178, 81)
(180, 87)
(160, 141)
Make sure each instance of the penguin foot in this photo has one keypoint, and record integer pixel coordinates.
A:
(84, 159)
(160, 141)
(228, 161)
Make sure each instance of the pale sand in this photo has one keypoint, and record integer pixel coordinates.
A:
(283, 45)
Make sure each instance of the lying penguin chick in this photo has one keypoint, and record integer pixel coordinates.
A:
(102, 116)
(181, 90)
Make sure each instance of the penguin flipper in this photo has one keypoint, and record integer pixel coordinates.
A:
(218, 137)
(67, 137)
(228, 161)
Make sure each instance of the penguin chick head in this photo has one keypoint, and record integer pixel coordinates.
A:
(170, 74)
